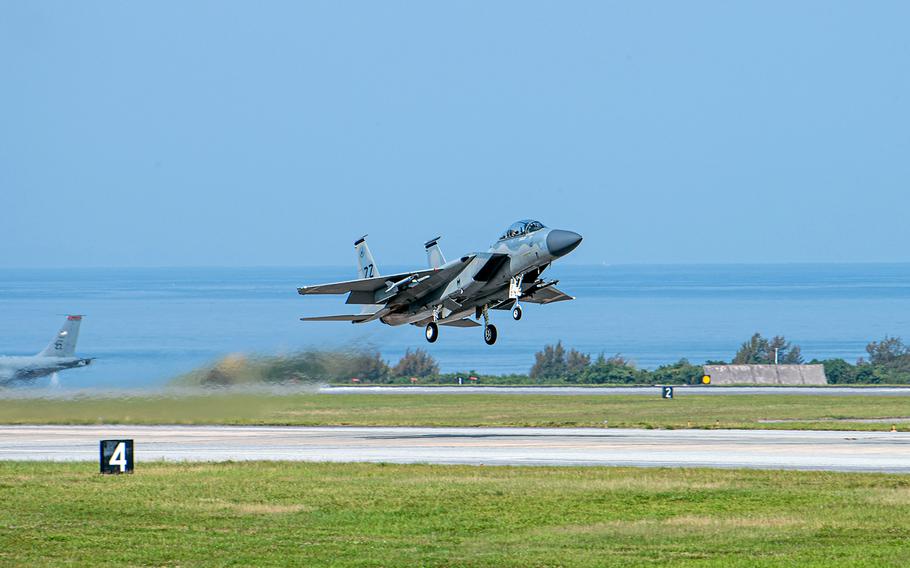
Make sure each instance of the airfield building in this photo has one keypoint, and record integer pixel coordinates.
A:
(766, 374)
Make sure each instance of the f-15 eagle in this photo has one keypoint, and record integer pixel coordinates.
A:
(451, 293)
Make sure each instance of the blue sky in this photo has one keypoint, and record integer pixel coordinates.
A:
(273, 133)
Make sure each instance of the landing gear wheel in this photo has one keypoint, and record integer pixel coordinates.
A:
(516, 313)
(432, 332)
(489, 334)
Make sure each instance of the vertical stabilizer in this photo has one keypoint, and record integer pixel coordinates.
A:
(366, 265)
(435, 258)
(367, 268)
(64, 343)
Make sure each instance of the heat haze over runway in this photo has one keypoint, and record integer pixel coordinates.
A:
(762, 449)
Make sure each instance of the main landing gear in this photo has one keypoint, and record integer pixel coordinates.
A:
(489, 334)
(432, 332)
(516, 312)
(489, 330)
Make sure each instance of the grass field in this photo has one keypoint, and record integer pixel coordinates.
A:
(739, 411)
(279, 514)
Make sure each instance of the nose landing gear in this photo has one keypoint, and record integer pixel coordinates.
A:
(516, 312)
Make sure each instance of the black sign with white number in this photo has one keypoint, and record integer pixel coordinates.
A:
(666, 392)
(116, 456)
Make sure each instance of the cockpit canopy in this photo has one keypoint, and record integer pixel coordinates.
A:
(522, 227)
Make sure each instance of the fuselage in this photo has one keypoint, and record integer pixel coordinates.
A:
(21, 368)
(486, 279)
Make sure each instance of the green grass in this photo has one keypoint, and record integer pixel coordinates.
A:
(279, 514)
(735, 411)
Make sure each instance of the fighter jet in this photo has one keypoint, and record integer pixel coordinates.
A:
(60, 354)
(451, 293)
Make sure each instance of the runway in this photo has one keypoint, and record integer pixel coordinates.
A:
(763, 449)
(679, 390)
(284, 390)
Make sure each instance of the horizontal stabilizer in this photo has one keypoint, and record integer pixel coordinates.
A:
(353, 318)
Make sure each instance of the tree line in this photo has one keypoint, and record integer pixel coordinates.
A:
(887, 362)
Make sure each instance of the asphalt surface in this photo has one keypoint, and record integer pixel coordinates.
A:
(278, 390)
(679, 390)
(763, 449)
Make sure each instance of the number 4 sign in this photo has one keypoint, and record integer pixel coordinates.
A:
(116, 456)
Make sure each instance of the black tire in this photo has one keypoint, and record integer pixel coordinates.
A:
(516, 313)
(489, 334)
(432, 332)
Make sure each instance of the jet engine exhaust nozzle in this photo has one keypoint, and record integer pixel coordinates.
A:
(561, 243)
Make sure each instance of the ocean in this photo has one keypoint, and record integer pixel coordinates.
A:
(147, 325)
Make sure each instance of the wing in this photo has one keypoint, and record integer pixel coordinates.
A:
(423, 285)
(546, 295)
(395, 288)
(370, 285)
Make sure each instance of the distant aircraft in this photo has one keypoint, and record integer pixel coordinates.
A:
(450, 293)
(60, 354)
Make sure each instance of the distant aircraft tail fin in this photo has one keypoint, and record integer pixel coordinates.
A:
(64, 343)
(366, 265)
(435, 258)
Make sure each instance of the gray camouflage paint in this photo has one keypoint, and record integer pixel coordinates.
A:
(463, 295)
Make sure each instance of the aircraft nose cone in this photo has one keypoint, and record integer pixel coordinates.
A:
(561, 243)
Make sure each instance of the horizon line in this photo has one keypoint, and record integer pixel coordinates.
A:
(345, 266)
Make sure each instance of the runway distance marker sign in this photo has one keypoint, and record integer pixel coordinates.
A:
(666, 392)
(116, 456)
